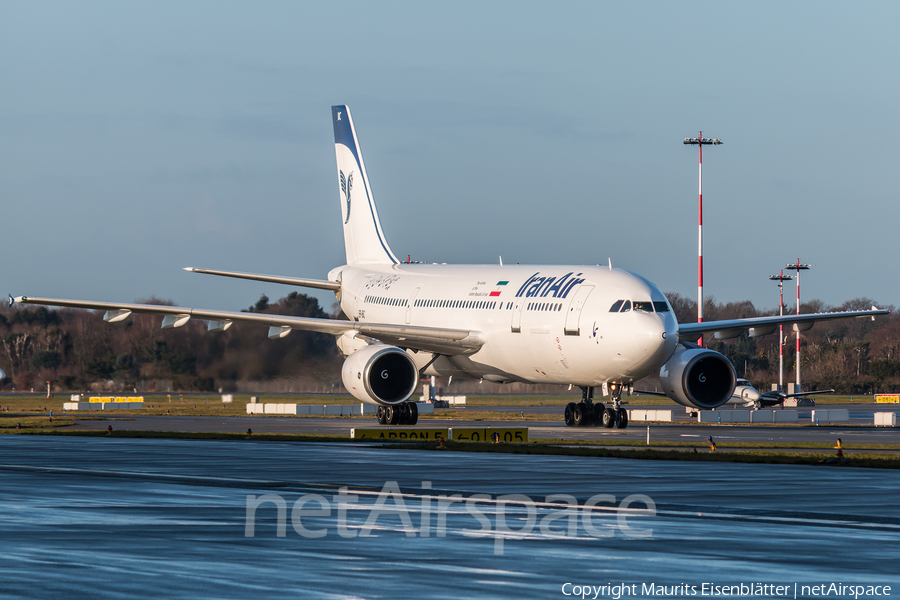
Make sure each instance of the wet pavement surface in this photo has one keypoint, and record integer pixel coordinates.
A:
(123, 518)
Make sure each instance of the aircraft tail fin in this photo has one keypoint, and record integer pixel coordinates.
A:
(364, 239)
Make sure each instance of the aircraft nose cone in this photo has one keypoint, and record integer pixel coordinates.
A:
(657, 337)
(651, 333)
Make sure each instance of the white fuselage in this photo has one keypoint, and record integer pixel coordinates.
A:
(545, 324)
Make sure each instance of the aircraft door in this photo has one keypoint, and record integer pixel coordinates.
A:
(573, 316)
(412, 301)
(518, 305)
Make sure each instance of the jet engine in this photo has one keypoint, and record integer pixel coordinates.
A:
(380, 374)
(698, 378)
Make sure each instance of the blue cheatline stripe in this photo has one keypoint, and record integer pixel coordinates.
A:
(344, 134)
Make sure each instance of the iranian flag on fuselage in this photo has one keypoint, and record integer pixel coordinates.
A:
(497, 292)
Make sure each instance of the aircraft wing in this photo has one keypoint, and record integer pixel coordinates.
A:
(800, 394)
(429, 339)
(765, 325)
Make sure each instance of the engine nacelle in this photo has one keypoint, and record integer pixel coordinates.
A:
(698, 378)
(380, 374)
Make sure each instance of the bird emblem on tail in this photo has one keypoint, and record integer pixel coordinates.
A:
(346, 185)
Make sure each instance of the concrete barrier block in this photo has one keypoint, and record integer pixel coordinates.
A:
(708, 416)
(740, 416)
(662, 415)
(722, 416)
(331, 409)
(290, 409)
(424, 408)
(270, 409)
(839, 415)
(301, 409)
(70, 406)
(886, 419)
(762, 416)
(636, 414)
(279, 409)
(831, 415)
(316, 409)
(250, 408)
(350, 409)
(786, 416)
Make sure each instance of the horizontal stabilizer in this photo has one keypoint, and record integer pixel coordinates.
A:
(310, 283)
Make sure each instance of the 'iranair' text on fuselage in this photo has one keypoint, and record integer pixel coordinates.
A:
(538, 286)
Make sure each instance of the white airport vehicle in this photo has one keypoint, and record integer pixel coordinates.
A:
(748, 396)
(586, 326)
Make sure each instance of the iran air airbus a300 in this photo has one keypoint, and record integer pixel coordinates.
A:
(586, 326)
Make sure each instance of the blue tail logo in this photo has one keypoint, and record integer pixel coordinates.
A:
(347, 185)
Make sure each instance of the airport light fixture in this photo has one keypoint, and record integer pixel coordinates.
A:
(701, 141)
(798, 267)
(781, 278)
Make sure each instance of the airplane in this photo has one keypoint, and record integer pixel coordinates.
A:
(586, 326)
(750, 397)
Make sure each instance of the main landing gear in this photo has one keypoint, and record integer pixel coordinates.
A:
(398, 414)
(587, 413)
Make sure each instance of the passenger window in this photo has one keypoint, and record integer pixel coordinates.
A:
(643, 306)
(626, 306)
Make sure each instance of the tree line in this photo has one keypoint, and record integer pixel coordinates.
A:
(77, 350)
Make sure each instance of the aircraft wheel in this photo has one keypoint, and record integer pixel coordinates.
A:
(413, 413)
(582, 415)
(391, 415)
(609, 418)
(379, 412)
(621, 418)
(599, 409)
(570, 414)
(403, 409)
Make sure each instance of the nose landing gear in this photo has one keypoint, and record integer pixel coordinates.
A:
(587, 413)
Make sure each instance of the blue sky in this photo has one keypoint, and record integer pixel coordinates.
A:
(139, 138)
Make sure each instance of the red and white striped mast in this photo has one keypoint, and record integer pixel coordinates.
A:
(781, 278)
(798, 267)
(700, 141)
